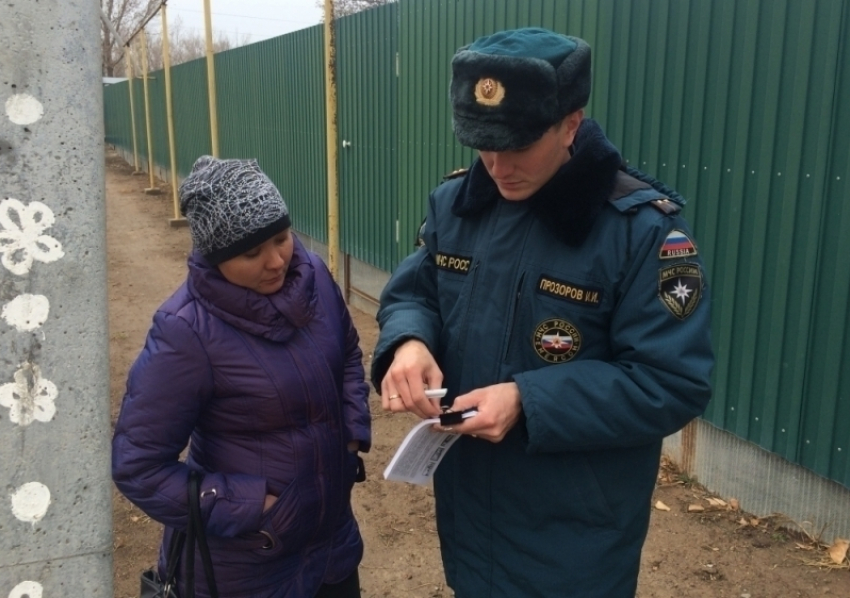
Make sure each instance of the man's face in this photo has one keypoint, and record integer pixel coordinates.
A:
(519, 174)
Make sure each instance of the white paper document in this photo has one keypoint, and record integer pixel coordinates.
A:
(421, 452)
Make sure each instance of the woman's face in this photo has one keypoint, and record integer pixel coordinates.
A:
(263, 268)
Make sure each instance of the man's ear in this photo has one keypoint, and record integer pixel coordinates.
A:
(570, 125)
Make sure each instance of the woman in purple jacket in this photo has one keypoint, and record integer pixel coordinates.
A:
(254, 362)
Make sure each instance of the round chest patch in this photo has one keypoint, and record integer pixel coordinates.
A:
(556, 341)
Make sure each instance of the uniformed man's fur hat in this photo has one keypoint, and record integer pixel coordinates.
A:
(510, 87)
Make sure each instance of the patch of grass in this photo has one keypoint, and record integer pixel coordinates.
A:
(686, 480)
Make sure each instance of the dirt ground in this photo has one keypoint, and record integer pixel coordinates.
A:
(717, 553)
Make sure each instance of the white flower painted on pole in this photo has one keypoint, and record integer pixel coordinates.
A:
(23, 109)
(21, 238)
(30, 397)
(30, 502)
(26, 312)
(27, 589)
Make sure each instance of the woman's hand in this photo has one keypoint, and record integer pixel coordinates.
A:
(270, 500)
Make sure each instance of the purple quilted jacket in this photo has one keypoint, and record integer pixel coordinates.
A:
(270, 389)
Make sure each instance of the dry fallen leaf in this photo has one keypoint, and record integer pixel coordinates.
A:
(661, 506)
(695, 508)
(716, 502)
(838, 551)
(755, 521)
(804, 547)
(134, 519)
(733, 502)
(743, 522)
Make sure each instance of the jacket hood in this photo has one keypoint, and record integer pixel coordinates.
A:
(570, 201)
(275, 316)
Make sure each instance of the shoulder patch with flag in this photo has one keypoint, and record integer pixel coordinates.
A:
(677, 244)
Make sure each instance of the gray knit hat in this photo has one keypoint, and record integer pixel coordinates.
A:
(231, 206)
(508, 88)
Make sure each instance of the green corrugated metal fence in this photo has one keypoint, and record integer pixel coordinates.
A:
(738, 105)
(116, 115)
(367, 46)
(191, 110)
(271, 101)
(823, 445)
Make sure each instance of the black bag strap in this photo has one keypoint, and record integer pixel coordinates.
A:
(195, 532)
(175, 547)
(189, 565)
(198, 528)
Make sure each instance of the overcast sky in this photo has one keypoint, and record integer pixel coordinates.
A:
(256, 19)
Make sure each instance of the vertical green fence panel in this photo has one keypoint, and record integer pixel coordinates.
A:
(367, 47)
(764, 253)
(271, 106)
(825, 441)
(794, 212)
(159, 121)
(429, 34)
(116, 115)
(191, 113)
(141, 132)
(763, 210)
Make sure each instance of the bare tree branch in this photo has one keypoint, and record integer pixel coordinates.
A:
(125, 16)
(343, 8)
(184, 46)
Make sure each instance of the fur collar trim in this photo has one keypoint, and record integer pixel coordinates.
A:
(570, 202)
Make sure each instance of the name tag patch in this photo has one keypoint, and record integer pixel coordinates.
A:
(556, 340)
(677, 244)
(680, 288)
(569, 291)
(453, 263)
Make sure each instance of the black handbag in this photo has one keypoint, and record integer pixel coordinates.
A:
(151, 584)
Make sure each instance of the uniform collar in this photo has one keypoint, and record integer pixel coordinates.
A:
(570, 202)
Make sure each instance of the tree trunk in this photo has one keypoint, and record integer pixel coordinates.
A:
(108, 65)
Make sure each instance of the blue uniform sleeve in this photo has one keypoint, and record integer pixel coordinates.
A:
(658, 378)
(166, 390)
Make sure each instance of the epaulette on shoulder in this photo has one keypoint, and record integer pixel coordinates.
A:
(666, 206)
(633, 188)
(455, 174)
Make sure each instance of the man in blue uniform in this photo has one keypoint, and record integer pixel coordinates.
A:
(562, 295)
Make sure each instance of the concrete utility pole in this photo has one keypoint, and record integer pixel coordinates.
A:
(55, 489)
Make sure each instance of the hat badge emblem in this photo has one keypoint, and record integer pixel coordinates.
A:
(489, 91)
